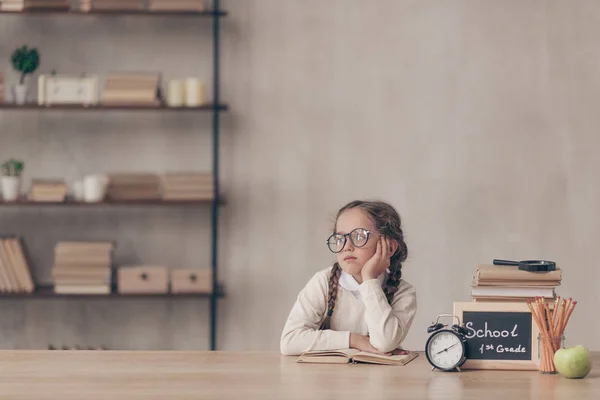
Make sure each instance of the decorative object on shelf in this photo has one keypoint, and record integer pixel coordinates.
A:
(25, 61)
(95, 187)
(11, 179)
(142, 279)
(68, 89)
(195, 92)
(175, 93)
(189, 92)
(77, 190)
(191, 280)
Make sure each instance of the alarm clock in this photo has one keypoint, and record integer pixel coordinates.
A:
(446, 348)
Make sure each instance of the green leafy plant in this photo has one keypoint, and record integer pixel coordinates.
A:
(13, 167)
(26, 61)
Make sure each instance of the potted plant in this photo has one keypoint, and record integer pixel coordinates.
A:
(11, 179)
(25, 61)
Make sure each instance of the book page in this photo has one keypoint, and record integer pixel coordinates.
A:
(338, 352)
(400, 359)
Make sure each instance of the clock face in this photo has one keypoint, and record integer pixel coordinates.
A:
(445, 350)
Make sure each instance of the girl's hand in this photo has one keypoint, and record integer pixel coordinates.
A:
(379, 262)
(362, 343)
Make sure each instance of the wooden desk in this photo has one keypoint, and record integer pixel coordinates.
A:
(85, 375)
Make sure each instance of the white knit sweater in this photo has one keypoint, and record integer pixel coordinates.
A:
(365, 311)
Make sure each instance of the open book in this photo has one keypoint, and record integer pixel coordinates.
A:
(345, 356)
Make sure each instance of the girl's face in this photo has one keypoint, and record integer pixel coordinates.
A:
(351, 258)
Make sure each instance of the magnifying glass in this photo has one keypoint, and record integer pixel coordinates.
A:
(530, 265)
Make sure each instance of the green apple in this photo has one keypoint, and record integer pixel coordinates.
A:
(573, 362)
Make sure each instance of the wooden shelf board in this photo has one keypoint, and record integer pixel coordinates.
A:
(48, 292)
(72, 203)
(117, 13)
(101, 107)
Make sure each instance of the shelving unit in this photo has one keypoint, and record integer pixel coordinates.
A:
(48, 292)
(100, 107)
(74, 203)
(142, 13)
(215, 14)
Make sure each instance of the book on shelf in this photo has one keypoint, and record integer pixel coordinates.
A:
(82, 267)
(15, 274)
(345, 356)
(187, 186)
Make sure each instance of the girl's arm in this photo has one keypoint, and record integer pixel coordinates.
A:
(388, 324)
(301, 331)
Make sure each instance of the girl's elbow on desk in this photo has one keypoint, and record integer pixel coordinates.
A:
(386, 345)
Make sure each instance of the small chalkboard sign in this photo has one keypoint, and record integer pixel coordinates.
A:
(499, 335)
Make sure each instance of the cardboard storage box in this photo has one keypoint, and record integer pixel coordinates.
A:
(143, 279)
(191, 280)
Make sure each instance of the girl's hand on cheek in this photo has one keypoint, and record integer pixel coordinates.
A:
(380, 261)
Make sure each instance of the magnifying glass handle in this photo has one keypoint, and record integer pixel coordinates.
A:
(505, 262)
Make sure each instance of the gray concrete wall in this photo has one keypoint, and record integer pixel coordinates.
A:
(476, 119)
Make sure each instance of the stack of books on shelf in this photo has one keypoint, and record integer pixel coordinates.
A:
(134, 186)
(15, 275)
(49, 190)
(82, 267)
(177, 5)
(117, 5)
(12, 5)
(133, 89)
(187, 186)
(20, 5)
(508, 283)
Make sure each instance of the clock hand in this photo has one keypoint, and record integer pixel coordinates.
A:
(446, 349)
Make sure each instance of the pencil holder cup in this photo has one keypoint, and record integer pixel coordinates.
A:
(547, 346)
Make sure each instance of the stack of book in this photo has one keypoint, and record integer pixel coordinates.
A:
(134, 186)
(117, 5)
(134, 89)
(48, 190)
(20, 5)
(15, 275)
(177, 5)
(508, 283)
(12, 5)
(82, 267)
(187, 186)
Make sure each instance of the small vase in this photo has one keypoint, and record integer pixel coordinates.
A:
(20, 93)
(11, 187)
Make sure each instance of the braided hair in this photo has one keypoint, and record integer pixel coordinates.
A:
(388, 223)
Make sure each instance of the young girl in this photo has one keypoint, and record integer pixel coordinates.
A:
(360, 302)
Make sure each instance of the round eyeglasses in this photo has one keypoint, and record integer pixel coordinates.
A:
(358, 237)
